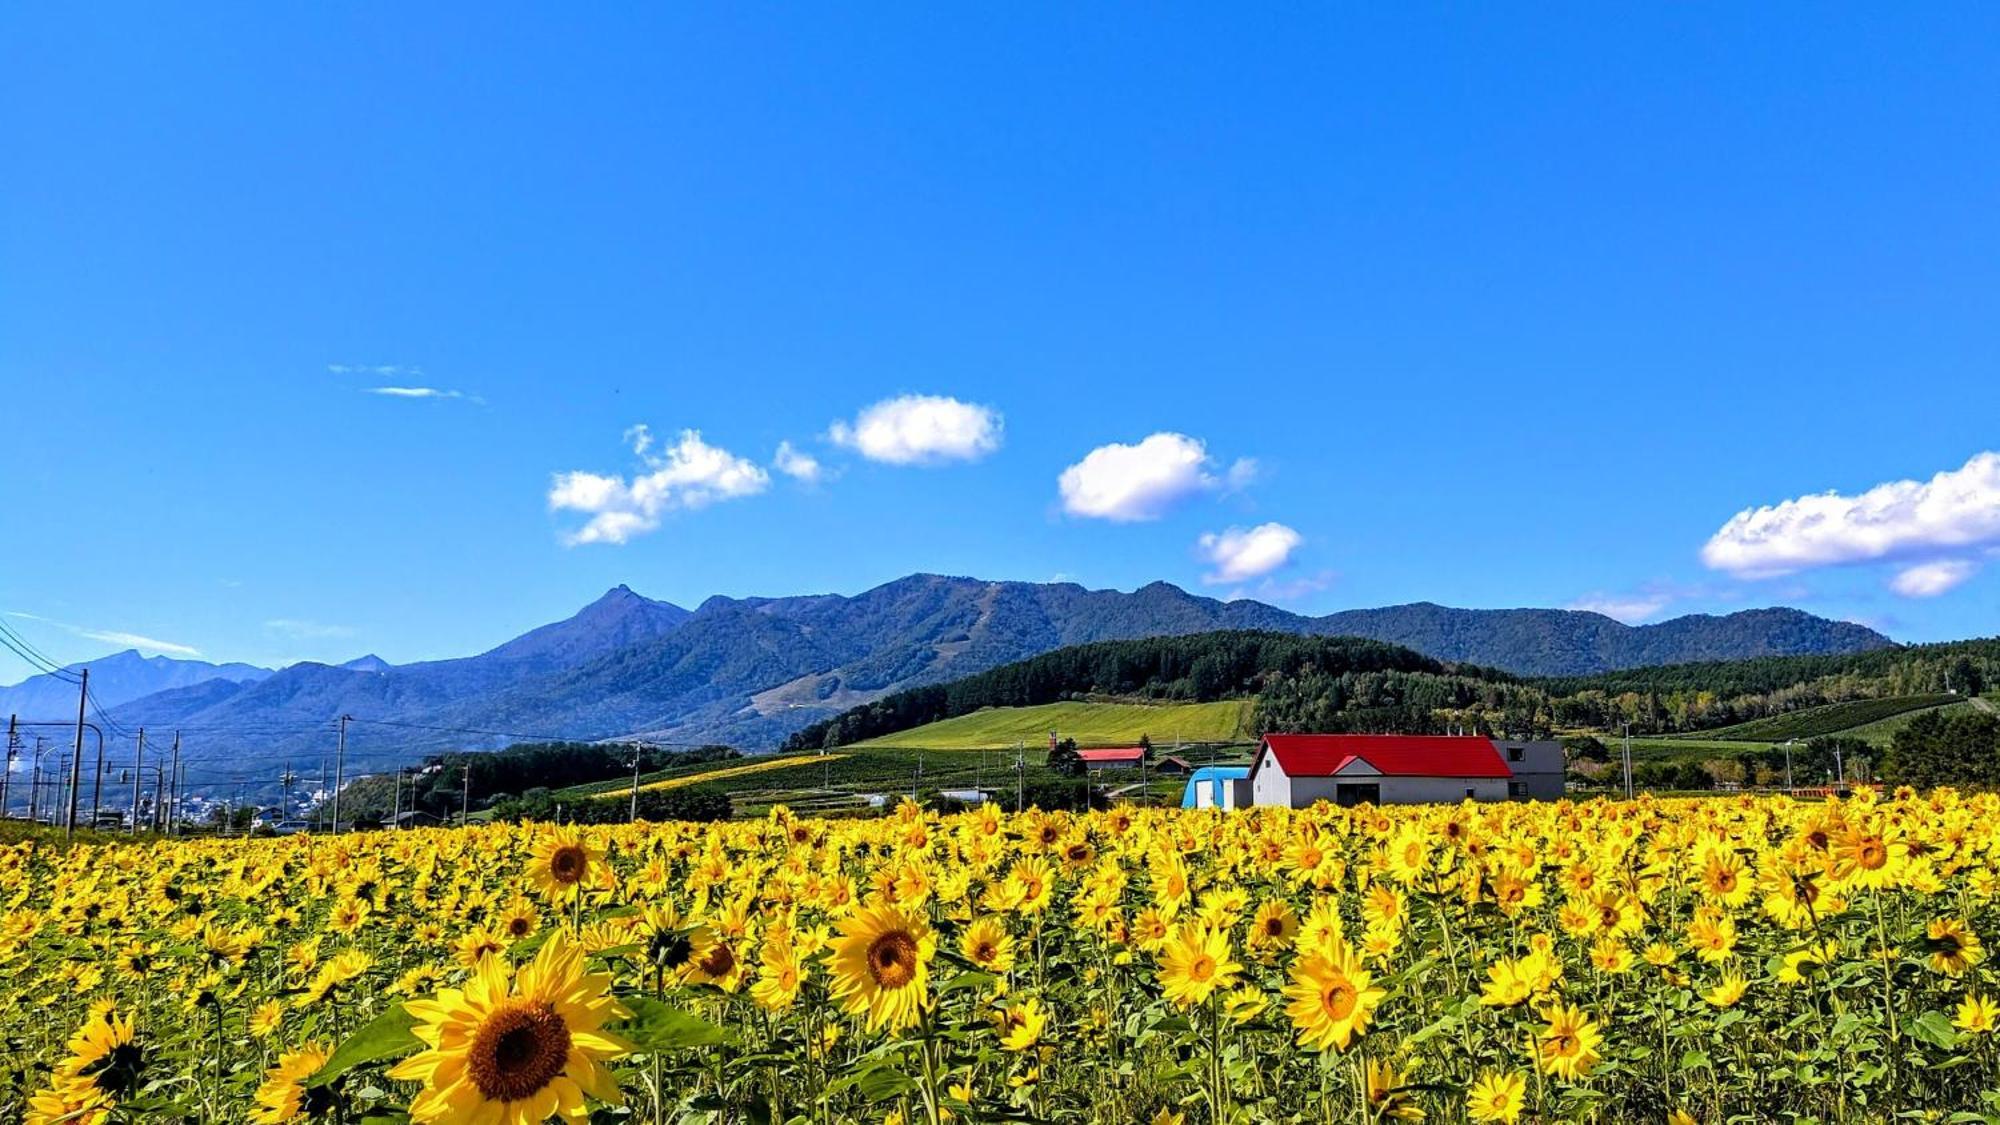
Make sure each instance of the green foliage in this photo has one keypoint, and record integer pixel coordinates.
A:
(1092, 723)
(1065, 760)
(701, 803)
(1939, 749)
(1202, 667)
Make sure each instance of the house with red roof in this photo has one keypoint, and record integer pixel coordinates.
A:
(1113, 758)
(1299, 770)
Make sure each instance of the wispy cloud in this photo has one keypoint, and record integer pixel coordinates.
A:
(377, 370)
(424, 392)
(797, 464)
(112, 636)
(299, 629)
(1631, 608)
(138, 641)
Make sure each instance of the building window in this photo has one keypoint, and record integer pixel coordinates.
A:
(1516, 753)
(1517, 789)
(1470, 793)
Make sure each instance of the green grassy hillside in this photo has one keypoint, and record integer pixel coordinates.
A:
(1832, 718)
(1091, 724)
(1883, 731)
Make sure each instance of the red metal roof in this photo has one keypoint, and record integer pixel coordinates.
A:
(1393, 755)
(1125, 754)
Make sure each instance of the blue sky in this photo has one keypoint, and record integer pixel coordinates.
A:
(1485, 307)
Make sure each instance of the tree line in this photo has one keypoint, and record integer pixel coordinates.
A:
(1195, 668)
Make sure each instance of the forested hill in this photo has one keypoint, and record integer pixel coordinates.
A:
(1347, 682)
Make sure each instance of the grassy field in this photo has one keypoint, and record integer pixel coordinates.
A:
(1832, 718)
(1091, 724)
(1882, 731)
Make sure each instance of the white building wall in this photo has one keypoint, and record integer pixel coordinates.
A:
(1539, 767)
(1268, 783)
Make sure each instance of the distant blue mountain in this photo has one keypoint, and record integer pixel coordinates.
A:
(115, 679)
(750, 671)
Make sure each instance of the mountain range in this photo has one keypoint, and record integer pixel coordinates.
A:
(115, 679)
(748, 671)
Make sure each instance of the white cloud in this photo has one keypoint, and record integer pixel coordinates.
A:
(307, 630)
(1240, 554)
(135, 640)
(422, 392)
(688, 474)
(1930, 524)
(1632, 609)
(796, 464)
(378, 370)
(1928, 580)
(1129, 483)
(920, 430)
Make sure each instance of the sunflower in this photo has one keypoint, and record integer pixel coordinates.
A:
(69, 1100)
(106, 1053)
(779, 977)
(1273, 926)
(1568, 1045)
(284, 1095)
(1867, 858)
(1389, 1097)
(987, 944)
(514, 1048)
(1726, 993)
(1977, 1014)
(1021, 1024)
(1953, 946)
(565, 863)
(712, 960)
(1497, 1097)
(881, 966)
(1194, 963)
(519, 919)
(1331, 998)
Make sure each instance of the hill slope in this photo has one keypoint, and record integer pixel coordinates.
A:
(1091, 724)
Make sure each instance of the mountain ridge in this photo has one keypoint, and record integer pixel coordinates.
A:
(749, 671)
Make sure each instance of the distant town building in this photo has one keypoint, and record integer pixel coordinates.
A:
(1122, 758)
(1174, 765)
(1298, 770)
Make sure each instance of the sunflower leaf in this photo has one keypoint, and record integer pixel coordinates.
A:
(389, 1035)
(655, 1026)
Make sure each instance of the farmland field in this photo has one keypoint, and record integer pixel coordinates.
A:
(1091, 724)
(1832, 718)
(1710, 960)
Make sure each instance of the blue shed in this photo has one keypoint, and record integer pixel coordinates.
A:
(1216, 787)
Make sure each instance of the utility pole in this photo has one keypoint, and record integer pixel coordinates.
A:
(339, 771)
(1020, 777)
(633, 816)
(76, 757)
(319, 808)
(1628, 761)
(1788, 767)
(35, 786)
(159, 799)
(1839, 771)
(285, 786)
(174, 806)
(180, 791)
(138, 768)
(6, 779)
(465, 793)
(396, 802)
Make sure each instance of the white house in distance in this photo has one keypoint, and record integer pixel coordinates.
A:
(1297, 770)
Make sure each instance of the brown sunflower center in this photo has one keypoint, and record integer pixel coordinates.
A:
(517, 926)
(1201, 968)
(1871, 854)
(1563, 1045)
(1339, 1000)
(1274, 927)
(718, 961)
(892, 959)
(520, 1048)
(568, 863)
(984, 952)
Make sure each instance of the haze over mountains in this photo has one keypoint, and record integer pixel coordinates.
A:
(115, 679)
(748, 671)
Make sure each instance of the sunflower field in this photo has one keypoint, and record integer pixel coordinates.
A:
(1735, 959)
